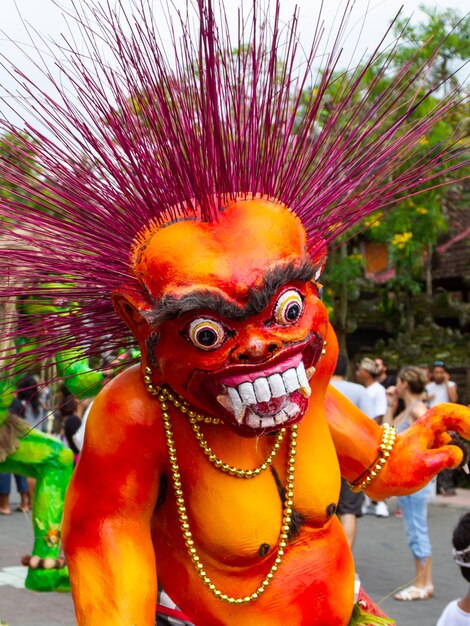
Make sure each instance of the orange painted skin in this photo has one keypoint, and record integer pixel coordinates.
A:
(117, 536)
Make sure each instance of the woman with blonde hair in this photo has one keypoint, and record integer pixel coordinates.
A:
(410, 388)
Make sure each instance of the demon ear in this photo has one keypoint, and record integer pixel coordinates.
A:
(317, 251)
(129, 306)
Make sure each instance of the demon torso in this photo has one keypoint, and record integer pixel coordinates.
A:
(220, 457)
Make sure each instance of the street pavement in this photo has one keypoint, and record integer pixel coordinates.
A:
(383, 562)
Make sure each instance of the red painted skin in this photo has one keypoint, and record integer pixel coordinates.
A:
(115, 535)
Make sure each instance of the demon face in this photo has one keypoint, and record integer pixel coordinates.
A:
(231, 318)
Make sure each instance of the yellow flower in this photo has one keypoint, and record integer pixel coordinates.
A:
(332, 228)
(373, 221)
(423, 141)
(400, 240)
(421, 210)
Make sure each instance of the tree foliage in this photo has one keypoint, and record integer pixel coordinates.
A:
(15, 153)
(411, 230)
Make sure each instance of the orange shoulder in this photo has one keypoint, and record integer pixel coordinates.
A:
(125, 416)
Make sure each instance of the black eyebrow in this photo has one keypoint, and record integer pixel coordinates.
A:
(169, 307)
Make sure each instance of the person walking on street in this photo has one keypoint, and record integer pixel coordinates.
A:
(26, 404)
(367, 375)
(384, 378)
(410, 388)
(70, 423)
(350, 504)
(442, 389)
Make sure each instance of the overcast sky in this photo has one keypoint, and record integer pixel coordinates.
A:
(45, 17)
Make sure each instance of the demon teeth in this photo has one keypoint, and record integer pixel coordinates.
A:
(303, 379)
(290, 380)
(291, 409)
(247, 393)
(262, 389)
(277, 385)
(310, 372)
(255, 421)
(238, 399)
(238, 406)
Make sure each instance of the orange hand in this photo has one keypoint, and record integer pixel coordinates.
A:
(422, 451)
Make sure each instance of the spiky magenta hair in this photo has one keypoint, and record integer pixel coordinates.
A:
(133, 129)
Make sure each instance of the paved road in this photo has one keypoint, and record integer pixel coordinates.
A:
(383, 562)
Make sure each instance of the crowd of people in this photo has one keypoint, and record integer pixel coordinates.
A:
(59, 414)
(32, 403)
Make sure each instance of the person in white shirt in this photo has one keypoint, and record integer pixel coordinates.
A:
(442, 389)
(350, 504)
(367, 375)
(457, 612)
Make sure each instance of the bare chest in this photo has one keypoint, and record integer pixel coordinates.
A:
(239, 519)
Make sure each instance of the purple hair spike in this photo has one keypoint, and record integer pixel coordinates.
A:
(132, 129)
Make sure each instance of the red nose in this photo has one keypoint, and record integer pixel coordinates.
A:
(256, 349)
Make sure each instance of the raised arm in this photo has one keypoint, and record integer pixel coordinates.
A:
(416, 456)
(109, 508)
(451, 390)
(356, 436)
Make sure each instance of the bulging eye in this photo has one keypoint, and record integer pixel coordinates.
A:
(206, 334)
(289, 307)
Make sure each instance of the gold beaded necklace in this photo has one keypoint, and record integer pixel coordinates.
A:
(194, 418)
(163, 395)
(230, 469)
(178, 401)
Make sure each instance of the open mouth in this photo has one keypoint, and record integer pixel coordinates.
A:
(260, 399)
(268, 398)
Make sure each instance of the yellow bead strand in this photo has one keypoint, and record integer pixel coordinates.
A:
(178, 401)
(183, 517)
(230, 469)
(385, 447)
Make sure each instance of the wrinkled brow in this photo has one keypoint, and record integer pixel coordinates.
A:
(169, 307)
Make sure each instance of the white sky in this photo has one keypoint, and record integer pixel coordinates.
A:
(45, 17)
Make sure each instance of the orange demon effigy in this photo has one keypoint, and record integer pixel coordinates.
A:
(191, 191)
